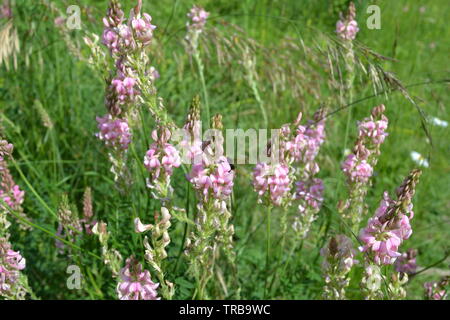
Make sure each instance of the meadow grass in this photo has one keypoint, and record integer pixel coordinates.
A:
(49, 103)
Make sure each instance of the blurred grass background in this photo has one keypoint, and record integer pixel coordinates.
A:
(49, 103)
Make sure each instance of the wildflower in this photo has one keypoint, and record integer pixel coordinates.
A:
(111, 257)
(155, 249)
(11, 195)
(212, 176)
(358, 166)
(347, 27)
(136, 283)
(436, 290)
(357, 171)
(273, 181)
(5, 10)
(390, 225)
(143, 28)
(215, 179)
(161, 156)
(198, 18)
(114, 132)
(124, 89)
(371, 282)
(338, 257)
(438, 122)
(419, 159)
(88, 213)
(395, 286)
(406, 263)
(160, 160)
(11, 263)
(303, 149)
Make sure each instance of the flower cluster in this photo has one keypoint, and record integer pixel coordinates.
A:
(357, 170)
(338, 261)
(311, 191)
(5, 10)
(120, 37)
(214, 180)
(11, 262)
(136, 283)
(308, 139)
(381, 237)
(111, 257)
(390, 225)
(162, 157)
(212, 177)
(114, 132)
(359, 165)
(303, 149)
(437, 290)
(406, 263)
(155, 249)
(347, 27)
(273, 181)
(10, 192)
(371, 282)
(198, 18)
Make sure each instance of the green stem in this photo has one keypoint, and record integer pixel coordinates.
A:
(269, 209)
(198, 60)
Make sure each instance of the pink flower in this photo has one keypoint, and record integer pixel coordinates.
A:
(357, 170)
(114, 132)
(375, 130)
(198, 18)
(347, 30)
(434, 291)
(5, 10)
(13, 197)
(11, 262)
(125, 89)
(272, 180)
(382, 239)
(311, 192)
(143, 28)
(407, 262)
(136, 284)
(161, 155)
(110, 39)
(216, 178)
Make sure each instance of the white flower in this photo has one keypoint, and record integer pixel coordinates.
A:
(139, 227)
(438, 122)
(419, 159)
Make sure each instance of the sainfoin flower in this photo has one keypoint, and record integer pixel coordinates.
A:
(272, 180)
(198, 18)
(406, 263)
(390, 225)
(215, 179)
(357, 170)
(11, 262)
(115, 132)
(347, 27)
(162, 157)
(136, 283)
(436, 290)
(125, 89)
(338, 260)
(311, 191)
(13, 197)
(382, 238)
(143, 28)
